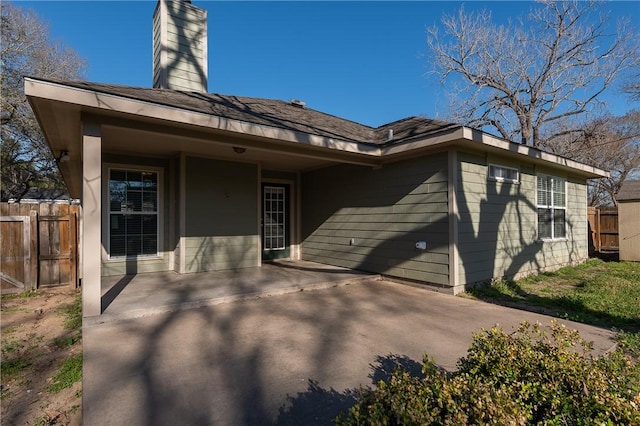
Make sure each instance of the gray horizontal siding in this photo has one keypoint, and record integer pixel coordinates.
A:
(136, 266)
(497, 228)
(219, 253)
(221, 215)
(385, 212)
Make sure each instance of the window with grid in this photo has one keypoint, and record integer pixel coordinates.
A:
(552, 207)
(133, 213)
(504, 174)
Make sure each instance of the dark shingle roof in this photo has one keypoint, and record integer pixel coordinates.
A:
(270, 112)
(630, 190)
(46, 194)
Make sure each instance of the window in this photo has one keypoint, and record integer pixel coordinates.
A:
(504, 174)
(133, 213)
(552, 207)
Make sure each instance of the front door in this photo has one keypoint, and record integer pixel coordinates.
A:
(275, 221)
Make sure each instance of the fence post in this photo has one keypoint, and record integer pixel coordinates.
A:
(598, 235)
(73, 249)
(33, 250)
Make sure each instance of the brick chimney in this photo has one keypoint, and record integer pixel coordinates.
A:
(180, 46)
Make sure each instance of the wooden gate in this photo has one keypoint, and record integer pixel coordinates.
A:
(17, 264)
(603, 223)
(39, 245)
(57, 250)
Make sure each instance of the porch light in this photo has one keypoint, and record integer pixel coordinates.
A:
(63, 157)
(239, 149)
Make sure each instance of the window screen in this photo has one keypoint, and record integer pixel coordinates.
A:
(552, 207)
(133, 213)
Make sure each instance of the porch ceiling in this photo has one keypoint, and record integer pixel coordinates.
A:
(145, 135)
(128, 141)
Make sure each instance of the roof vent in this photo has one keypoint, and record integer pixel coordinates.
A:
(298, 103)
(390, 135)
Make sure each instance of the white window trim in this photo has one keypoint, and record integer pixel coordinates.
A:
(502, 179)
(106, 235)
(553, 207)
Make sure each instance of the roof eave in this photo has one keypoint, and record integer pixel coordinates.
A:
(536, 155)
(100, 101)
(462, 136)
(104, 103)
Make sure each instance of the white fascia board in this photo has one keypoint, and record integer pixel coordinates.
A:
(120, 104)
(427, 141)
(488, 140)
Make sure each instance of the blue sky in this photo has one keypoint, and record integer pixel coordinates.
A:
(364, 61)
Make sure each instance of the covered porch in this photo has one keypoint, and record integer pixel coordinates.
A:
(138, 295)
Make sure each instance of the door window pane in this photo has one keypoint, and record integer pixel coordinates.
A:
(544, 223)
(274, 218)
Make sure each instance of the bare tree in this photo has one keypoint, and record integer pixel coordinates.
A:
(611, 143)
(524, 76)
(26, 49)
(631, 85)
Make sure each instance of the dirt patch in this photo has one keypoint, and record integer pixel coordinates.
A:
(38, 335)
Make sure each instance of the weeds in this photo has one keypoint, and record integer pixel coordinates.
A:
(70, 372)
(27, 357)
(11, 367)
(10, 345)
(26, 293)
(630, 343)
(63, 342)
(73, 314)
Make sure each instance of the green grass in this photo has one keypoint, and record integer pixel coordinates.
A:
(67, 341)
(70, 372)
(11, 367)
(10, 344)
(630, 343)
(596, 292)
(73, 314)
(72, 321)
(26, 293)
(605, 294)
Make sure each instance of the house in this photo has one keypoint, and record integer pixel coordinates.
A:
(44, 195)
(628, 199)
(187, 181)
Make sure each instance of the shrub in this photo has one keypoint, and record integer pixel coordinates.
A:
(530, 376)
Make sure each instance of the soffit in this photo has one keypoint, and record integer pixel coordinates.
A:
(133, 126)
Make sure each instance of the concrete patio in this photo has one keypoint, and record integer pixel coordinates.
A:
(132, 296)
(293, 359)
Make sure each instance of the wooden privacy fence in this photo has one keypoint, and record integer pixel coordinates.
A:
(39, 243)
(603, 224)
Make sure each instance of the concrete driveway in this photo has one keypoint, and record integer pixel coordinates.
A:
(291, 359)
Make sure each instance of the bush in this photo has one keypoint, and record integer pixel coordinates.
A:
(531, 376)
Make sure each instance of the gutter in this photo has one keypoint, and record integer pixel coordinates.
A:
(118, 104)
